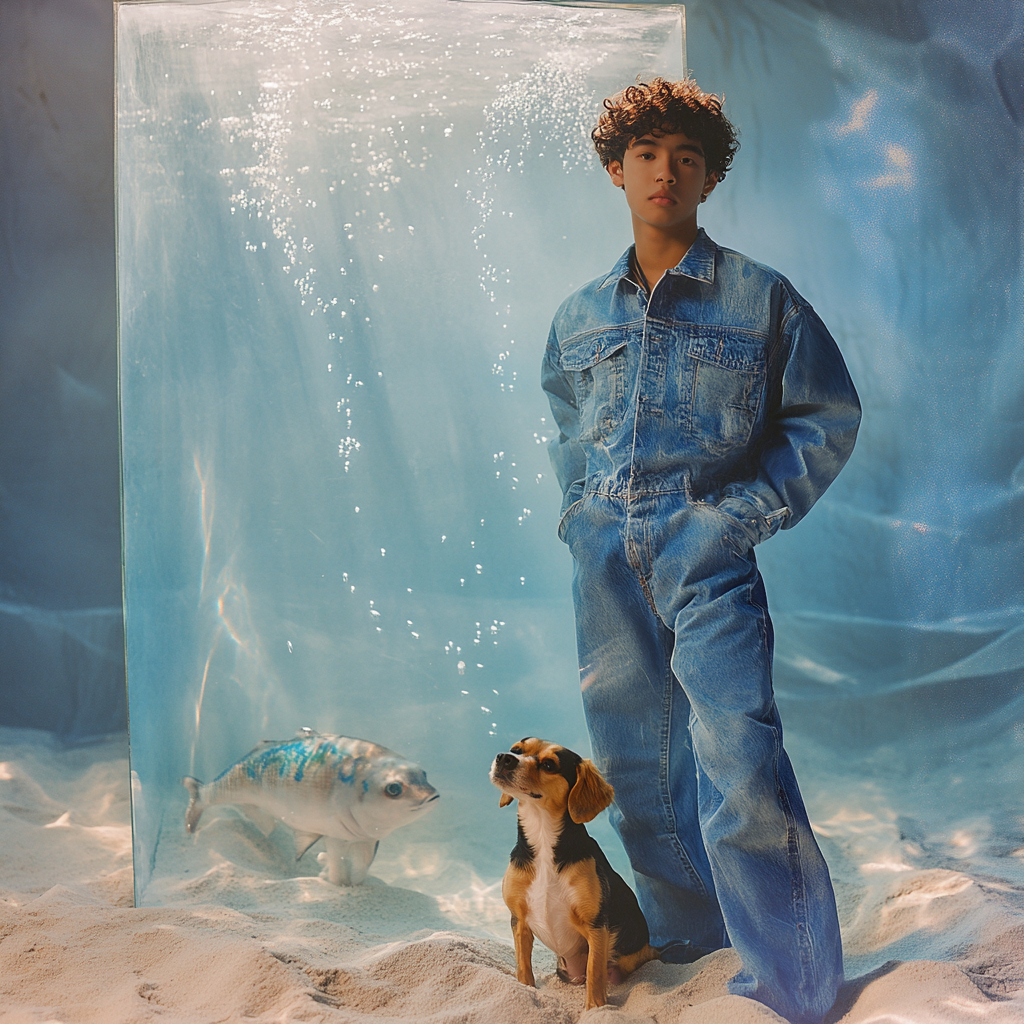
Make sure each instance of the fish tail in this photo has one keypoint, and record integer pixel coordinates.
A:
(195, 805)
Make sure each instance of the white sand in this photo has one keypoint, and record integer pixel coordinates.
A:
(246, 939)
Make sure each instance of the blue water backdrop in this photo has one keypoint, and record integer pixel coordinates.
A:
(343, 229)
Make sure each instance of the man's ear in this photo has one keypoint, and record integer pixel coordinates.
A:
(709, 184)
(591, 794)
(614, 170)
(505, 800)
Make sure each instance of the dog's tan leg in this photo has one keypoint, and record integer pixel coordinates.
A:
(524, 951)
(514, 887)
(597, 967)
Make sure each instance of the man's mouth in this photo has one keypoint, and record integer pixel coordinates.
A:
(662, 199)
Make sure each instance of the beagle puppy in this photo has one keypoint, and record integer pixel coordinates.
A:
(559, 885)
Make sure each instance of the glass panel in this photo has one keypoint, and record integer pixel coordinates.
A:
(347, 521)
(343, 229)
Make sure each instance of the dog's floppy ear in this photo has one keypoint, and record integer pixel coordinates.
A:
(505, 800)
(591, 794)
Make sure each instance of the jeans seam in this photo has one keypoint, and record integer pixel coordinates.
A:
(799, 888)
(645, 587)
(798, 893)
(668, 805)
(636, 563)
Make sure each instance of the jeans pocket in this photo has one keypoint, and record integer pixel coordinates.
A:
(567, 517)
(747, 526)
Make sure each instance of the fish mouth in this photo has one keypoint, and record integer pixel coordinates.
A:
(426, 803)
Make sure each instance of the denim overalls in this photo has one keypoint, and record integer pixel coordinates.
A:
(694, 423)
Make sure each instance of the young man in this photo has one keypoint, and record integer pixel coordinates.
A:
(702, 405)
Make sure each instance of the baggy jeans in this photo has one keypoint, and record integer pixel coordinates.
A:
(675, 650)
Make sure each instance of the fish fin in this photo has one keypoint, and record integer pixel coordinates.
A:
(262, 819)
(195, 805)
(505, 800)
(303, 841)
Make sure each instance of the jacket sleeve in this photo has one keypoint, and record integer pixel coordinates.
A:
(810, 431)
(567, 457)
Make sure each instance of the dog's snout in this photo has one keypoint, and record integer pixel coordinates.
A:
(505, 761)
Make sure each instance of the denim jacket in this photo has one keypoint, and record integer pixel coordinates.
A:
(723, 386)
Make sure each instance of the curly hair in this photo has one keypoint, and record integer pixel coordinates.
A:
(660, 106)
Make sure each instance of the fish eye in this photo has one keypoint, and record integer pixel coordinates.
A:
(394, 789)
(547, 765)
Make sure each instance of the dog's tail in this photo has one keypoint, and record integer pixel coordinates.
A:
(631, 961)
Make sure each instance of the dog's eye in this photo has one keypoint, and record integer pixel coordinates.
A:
(516, 749)
(548, 766)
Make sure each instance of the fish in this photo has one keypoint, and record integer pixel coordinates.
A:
(348, 791)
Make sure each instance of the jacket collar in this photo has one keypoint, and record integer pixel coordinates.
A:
(698, 263)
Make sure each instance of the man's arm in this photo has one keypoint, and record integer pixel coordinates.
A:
(565, 452)
(811, 433)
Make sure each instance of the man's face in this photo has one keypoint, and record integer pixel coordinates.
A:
(664, 177)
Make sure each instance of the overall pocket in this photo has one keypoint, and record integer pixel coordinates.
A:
(743, 520)
(726, 386)
(597, 365)
(567, 517)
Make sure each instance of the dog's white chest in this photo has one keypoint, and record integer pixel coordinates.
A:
(550, 912)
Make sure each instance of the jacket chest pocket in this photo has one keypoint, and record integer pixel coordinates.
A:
(725, 374)
(598, 367)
